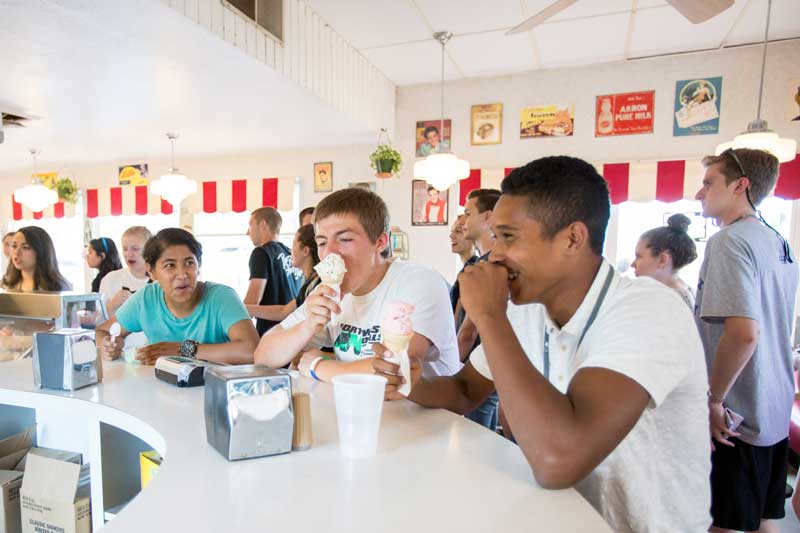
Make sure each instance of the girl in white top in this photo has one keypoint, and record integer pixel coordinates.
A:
(119, 285)
(662, 252)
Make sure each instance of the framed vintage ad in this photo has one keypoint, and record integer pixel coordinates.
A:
(556, 120)
(624, 114)
(137, 174)
(430, 140)
(323, 177)
(697, 107)
(486, 124)
(793, 100)
(428, 205)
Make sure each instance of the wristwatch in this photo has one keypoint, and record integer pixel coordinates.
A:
(189, 348)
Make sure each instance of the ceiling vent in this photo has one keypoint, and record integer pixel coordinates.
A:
(13, 119)
(267, 14)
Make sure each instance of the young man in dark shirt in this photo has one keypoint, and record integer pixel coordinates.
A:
(273, 279)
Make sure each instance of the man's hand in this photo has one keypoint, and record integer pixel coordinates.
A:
(718, 423)
(320, 306)
(147, 355)
(391, 371)
(111, 350)
(484, 290)
(304, 363)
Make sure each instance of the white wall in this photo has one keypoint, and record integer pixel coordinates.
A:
(739, 68)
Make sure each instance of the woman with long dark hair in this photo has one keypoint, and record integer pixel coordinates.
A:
(33, 265)
(102, 254)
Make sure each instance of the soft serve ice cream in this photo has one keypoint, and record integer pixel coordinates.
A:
(331, 271)
(396, 331)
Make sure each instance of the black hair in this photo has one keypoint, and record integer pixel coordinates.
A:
(428, 130)
(673, 239)
(562, 190)
(171, 237)
(106, 248)
(46, 276)
(486, 199)
(306, 237)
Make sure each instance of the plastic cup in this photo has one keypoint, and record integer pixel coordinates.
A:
(129, 354)
(359, 403)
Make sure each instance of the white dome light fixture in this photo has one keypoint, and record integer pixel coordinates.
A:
(35, 196)
(441, 170)
(758, 135)
(173, 186)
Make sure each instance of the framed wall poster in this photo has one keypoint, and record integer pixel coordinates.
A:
(428, 205)
(48, 179)
(137, 174)
(323, 177)
(624, 114)
(430, 140)
(547, 121)
(486, 124)
(697, 107)
(793, 100)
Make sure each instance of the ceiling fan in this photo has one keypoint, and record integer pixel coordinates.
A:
(696, 11)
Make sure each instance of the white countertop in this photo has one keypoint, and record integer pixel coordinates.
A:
(434, 470)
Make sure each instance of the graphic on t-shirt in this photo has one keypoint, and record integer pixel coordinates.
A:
(286, 263)
(358, 339)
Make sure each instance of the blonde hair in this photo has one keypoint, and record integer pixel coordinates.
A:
(138, 231)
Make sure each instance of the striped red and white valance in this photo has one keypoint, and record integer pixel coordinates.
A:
(666, 181)
(221, 196)
(16, 211)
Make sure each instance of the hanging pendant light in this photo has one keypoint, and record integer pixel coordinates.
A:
(758, 135)
(441, 170)
(173, 186)
(35, 196)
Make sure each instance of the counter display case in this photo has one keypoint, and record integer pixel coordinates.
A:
(24, 313)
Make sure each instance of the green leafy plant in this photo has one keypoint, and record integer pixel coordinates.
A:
(386, 161)
(67, 190)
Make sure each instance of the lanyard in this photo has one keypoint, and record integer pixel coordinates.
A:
(589, 323)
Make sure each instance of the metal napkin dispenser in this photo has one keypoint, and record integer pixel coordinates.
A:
(64, 359)
(248, 410)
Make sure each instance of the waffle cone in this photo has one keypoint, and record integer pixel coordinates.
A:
(396, 343)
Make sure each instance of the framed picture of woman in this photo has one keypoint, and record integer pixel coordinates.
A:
(323, 177)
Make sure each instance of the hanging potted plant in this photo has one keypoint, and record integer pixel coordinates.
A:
(67, 190)
(385, 160)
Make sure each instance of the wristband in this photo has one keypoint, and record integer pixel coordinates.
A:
(715, 399)
(314, 364)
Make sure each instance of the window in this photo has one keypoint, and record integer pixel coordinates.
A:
(268, 14)
(635, 218)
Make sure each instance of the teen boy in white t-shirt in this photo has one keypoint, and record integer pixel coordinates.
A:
(354, 223)
(618, 410)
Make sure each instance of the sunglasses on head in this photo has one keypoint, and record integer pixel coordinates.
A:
(787, 251)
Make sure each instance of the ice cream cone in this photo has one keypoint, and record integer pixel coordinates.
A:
(395, 342)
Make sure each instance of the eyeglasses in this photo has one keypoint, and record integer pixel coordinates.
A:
(787, 251)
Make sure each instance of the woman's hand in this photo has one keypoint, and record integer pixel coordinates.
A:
(147, 355)
(111, 349)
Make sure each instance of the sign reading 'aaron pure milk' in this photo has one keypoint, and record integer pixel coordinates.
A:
(624, 114)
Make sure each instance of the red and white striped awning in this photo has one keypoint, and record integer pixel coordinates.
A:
(666, 181)
(222, 196)
(16, 211)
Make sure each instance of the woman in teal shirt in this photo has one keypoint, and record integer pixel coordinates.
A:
(179, 314)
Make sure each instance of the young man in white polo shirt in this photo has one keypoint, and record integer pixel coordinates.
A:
(618, 409)
(354, 223)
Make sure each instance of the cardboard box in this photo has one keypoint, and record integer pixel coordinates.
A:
(50, 453)
(53, 498)
(10, 483)
(149, 463)
(17, 442)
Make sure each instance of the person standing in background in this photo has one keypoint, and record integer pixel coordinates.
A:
(459, 245)
(273, 279)
(306, 216)
(119, 285)
(102, 254)
(662, 252)
(34, 266)
(745, 315)
(7, 239)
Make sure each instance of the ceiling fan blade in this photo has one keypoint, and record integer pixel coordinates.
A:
(697, 11)
(550, 11)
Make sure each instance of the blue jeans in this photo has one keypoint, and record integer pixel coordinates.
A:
(486, 413)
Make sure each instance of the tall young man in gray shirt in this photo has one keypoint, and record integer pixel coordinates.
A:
(744, 311)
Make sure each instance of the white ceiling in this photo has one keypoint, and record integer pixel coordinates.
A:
(110, 77)
(395, 35)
